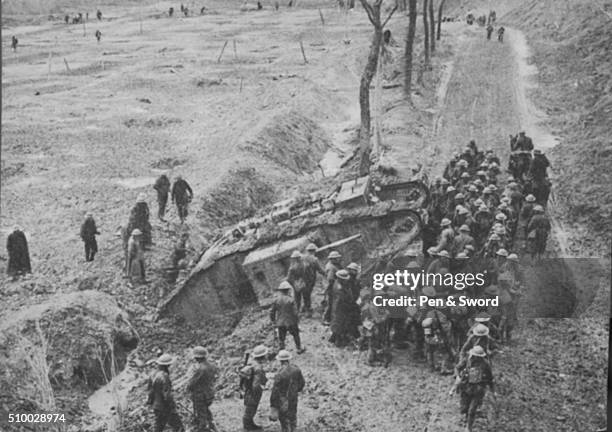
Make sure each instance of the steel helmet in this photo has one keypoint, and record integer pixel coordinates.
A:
(284, 285)
(472, 188)
(461, 255)
(164, 360)
(450, 189)
(459, 196)
(462, 210)
(465, 175)
(296, 254)
(502, 252)
(413, 265)
(353, 266)
(445, 222)
(481, 330)
(538, 208)
(283, 355)
(199, 352)
(141, 197)
(259, 351)
(444, 254)
(513, 257)
(334, 254)
(427, 322)
(311, 247)
(343, 274)
(501, 217)
(136, 232)
(432, 251)
(477, 351)
(482, 317)
(464, 228)
(530, 198)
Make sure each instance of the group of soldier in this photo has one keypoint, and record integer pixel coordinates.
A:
(136, 236)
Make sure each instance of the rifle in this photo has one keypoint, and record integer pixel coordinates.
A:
(456, 384)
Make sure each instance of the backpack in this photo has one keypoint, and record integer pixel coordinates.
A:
(475, 375)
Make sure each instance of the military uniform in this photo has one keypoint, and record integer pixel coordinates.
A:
(182, 195)
(295, 276)
(284, 315)
(88, 235)
(162, 186)
(162, 400)
(330, 279)
(139, 218)
(476, 376)
(201, 388)
(256, 377)
(288, 382)
(311, 268)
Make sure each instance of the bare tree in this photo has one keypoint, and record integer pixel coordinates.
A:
(373, 12)
(412, 18)
(440, 11)
(432, 27)
(426, 31)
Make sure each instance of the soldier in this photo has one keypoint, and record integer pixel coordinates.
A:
(331, 268)
(288, 382)
(355, 290)
(437, 333)
(479, 337)
(254, 379)
(538, 167)
(19, 256)
(311, 268)
(162, 186)
(523, 142)
(295, 276)
(284, 315)
(500, 34)
(489, 31)
(201, 389)
(441, 262)
(462, 240)
(161, 398)
(475, 375)
(374, 331)
(99, 15)
(139, 218)
(88, 235)
(14, 42)
(98, 35)
(135, 266)
(170, 12)
(67, 19)
(182, 194)
(447, 236)
(341, 312)
(538, 229)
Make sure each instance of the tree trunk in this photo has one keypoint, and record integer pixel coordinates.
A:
(412, 18)
(426, 32)
(432, 27)
(364, 101)
(440, 11)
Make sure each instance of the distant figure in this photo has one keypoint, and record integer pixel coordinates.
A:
(387, 36)
(489, 31)
(202, 10)
(80, 17)
(171, 12)
(14, 42)
(276, 5)
(87, 17)
(492, 17)
(67, 19)
(135, 265)
(182, 194)
(99, 15)
(88, 235)
(162, 186)
(19, 256)
(139, 218)
(500, 34)
(290, 3)
(182, 8)
(98, 35)
(259, 6)
(186, 11)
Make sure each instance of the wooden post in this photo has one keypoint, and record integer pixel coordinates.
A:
(322, 17)
(303, 53)
(67, 67)
(140, 16)
(49, 61)
(240, 91)
(84, 29)
(235, 52)
(221, 53)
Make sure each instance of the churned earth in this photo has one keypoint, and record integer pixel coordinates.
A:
(227, 100)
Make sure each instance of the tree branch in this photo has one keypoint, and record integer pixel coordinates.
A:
(390, 15)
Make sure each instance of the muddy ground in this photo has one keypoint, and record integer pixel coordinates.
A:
(91, 132)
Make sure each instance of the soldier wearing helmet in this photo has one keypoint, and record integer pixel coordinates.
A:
(284, 316)
(295, 276)
(288, 382)
(473, 376)
(538, 230)
(253, 381)
(331, 268)
(342, 324)
(201, 389)
(161, 397)
(135, 266)
(479, 336)
(312, 266)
